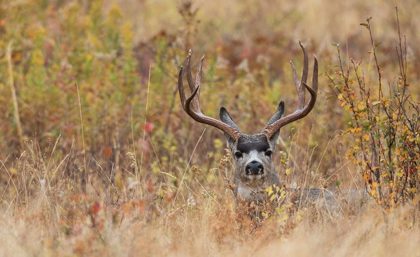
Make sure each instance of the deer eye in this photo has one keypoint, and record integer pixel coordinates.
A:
(268, 153)
(238, 154)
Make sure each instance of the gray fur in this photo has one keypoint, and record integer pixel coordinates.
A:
(328, 198)
(251, 187)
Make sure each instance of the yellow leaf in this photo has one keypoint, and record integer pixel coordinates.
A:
(361, 106)
(288, 171)
(397, 152)
(366, 137)
(340, 96)
(13, 170)
(218, 143)
(94, 40)
(38, 57)
(270, 190)
(272, 198)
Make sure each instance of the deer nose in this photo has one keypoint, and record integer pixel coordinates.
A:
(254, 168)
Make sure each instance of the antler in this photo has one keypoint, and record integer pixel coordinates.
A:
(191, 104)
(301, 110)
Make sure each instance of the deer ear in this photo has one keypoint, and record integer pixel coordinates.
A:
(225, 118)
(278, 115)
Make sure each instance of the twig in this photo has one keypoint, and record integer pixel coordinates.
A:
(14, 98)
(188, 164)
(145, 116)
(83, 141)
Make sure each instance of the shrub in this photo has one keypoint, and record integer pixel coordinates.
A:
(384, 123)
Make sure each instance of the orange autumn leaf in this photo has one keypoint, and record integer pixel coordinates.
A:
(107, 151)
(95, 208)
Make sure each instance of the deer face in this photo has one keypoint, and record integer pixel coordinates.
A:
(254, 169)
(252, 154)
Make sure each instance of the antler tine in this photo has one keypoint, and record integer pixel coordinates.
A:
(300, 90)
(181, 88)
(305, 64)
(300, 112)
(194, 114)
(192, 86)
(304, 79)
(195, 104)
(189, 76)
(196, 101)
(191, 104)
(315, 76)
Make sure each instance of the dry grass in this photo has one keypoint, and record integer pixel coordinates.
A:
(79, 225)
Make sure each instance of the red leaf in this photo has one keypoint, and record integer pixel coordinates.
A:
(149, 127)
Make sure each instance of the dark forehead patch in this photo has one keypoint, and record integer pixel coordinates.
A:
(248, 147)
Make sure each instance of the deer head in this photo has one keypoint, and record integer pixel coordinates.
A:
(254, 168)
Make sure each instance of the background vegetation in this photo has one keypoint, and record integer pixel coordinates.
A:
(97, 156)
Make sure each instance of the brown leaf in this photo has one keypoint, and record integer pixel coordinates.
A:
(169, 196)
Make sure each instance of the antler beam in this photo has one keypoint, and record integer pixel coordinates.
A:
(191, 104)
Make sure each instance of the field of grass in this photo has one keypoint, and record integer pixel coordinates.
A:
(98, 158)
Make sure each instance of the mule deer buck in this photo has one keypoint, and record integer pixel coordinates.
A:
(254, 167)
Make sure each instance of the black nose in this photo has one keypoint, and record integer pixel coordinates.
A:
(254, 168)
